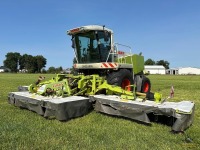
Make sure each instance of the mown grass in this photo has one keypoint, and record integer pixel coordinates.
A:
(22, 129)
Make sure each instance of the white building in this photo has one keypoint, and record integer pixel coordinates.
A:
(2, 69)
(155, 69)
(173, 71)
(184, 71)
(189, 70)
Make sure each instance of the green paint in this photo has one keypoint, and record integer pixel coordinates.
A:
(136, 60)
(68, 85)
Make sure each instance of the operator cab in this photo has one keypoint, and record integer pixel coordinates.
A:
(92, 44)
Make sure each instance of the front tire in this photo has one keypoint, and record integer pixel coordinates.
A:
(146, 85)
(122, 78)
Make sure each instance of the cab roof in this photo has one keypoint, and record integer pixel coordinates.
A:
(88, 28)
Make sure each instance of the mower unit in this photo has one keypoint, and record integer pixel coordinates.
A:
(66, 96)
(106, 78)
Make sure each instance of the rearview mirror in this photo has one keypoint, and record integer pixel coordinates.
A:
(106, 36)
(73, 42)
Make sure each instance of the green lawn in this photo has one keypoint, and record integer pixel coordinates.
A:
(24, 130)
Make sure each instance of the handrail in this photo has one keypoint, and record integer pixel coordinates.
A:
(116, 51)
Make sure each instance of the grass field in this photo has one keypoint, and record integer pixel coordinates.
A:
(21, 129)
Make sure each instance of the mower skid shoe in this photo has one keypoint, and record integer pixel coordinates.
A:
(180, 114)
(62, 109)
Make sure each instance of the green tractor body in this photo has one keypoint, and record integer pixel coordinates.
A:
(102, 68)
(96, 53)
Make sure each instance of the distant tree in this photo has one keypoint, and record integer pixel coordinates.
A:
(164, 63)
(28, 63)
(59, 69)
(11, 61)
(23, 61)
(43, 71)
(40, 62)
(32, 64)
(51, 70)
(149, 62)
(55, 70)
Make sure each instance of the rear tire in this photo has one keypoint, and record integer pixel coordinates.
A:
(121, 78)
(146, 85)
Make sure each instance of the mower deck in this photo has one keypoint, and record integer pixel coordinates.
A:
(180, 113)
(60, 108)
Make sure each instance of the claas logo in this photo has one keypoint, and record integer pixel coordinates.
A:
(58, 85)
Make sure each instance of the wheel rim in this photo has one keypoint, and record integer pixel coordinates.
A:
(126, 83)
(146, 87)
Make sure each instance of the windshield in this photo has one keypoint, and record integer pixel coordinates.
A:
(92, 47)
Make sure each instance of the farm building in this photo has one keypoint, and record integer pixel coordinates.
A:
(184, 71)
(155, 69)
(173, 71)
(4, 69)
(189, 70)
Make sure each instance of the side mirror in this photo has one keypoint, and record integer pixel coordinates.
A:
(106, 36)
(73, 42)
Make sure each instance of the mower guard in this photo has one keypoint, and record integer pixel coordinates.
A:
(181, 113)
(62, 109)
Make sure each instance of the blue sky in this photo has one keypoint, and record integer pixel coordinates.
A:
(160, 29)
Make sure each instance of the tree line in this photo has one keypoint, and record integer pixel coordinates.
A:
(160, 62)
(27, 63)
